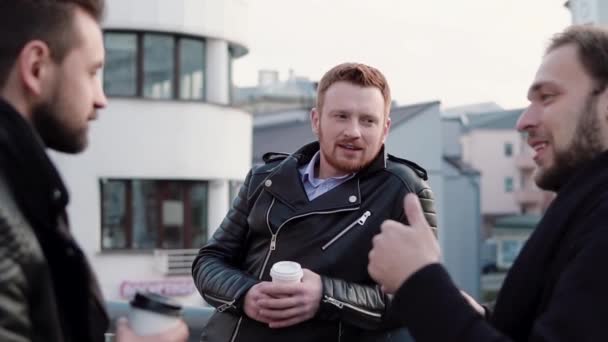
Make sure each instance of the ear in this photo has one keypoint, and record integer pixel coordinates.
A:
(315, 121)
(34, 66)
(387, 127)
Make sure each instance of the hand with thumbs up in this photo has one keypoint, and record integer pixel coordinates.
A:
(399, 250)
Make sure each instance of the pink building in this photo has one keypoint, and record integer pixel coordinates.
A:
(492, 145)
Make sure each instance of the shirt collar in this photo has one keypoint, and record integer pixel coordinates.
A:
(308, 172)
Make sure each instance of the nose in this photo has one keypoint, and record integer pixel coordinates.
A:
(100, 99)
(352, 130)
(528, 119)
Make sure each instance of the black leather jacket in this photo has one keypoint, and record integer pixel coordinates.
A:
(273, 220)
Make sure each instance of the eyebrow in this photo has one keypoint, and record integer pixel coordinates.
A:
(534, 88)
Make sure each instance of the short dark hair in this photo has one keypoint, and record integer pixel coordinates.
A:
(592, 45)
(50, 21)
(357, 74)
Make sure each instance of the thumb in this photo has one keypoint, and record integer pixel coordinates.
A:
(413, 211)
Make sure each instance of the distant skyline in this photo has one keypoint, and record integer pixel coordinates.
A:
(457, 52)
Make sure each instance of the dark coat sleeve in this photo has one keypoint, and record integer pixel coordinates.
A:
(432, 307)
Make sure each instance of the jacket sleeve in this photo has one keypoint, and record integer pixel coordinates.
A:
(427, 202)
(577, 308)
(215, 270)
(363, 306)
(15, 325)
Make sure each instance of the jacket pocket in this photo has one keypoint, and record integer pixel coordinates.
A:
(359, 222)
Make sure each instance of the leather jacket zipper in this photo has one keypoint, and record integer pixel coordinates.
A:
(360, 221)
(273, 240)
(226, 303)
(341, 305)
(272, 247)
(273, 244)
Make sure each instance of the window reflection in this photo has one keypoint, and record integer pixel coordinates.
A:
(191, 64)
(145, 64)
(148, 214)
(120, 70)
(158, 66)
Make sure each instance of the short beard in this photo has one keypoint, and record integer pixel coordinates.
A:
(47, 120)
(585, 146)
(345, 167)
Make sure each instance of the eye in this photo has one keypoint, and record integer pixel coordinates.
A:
(546, 97)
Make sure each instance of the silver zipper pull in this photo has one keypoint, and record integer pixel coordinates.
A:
(226, 306)
(223, 307)
(273, 242)
(334, 302)
(363, 218)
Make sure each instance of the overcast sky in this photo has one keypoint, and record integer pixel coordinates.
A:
(458, 52)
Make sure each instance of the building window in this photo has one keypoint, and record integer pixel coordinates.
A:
(508, 149)
(155, 66)
(149, 214)
(508, 251)
(120, 70)
(509, 184)
(191, 69)
(158, 66)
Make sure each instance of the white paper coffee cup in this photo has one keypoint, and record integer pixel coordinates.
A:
(286, 272)
(151, 314)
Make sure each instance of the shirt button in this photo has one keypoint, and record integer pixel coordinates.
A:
(268, 183)
(352, 199)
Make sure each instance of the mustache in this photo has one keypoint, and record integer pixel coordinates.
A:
(350, 142)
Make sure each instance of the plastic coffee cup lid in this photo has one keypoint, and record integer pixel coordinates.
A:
(288, 270)
(156, 303)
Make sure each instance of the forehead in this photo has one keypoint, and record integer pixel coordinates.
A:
(88, 32)
(562, 67)
(350, 97)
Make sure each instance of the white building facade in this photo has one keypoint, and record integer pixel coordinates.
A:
(167, 154)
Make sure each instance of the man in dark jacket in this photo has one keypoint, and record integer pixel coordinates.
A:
(320, 207)
(50, 54)
(556, 289)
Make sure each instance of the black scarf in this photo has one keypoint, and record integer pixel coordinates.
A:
(42, 198)
(529, 284)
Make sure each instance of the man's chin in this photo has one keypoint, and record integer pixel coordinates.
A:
(350, 166)
(72, 147)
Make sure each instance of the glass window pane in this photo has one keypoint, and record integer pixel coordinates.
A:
(172, 213)
(149, 214)
(508, 149)
(192, 64)
(198, 202)
(114, 210)
(510, 250)
(158, 66)
(509, 184)
(145, 214)
(120, 70)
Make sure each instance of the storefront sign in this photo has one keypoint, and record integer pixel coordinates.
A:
(166, 287)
